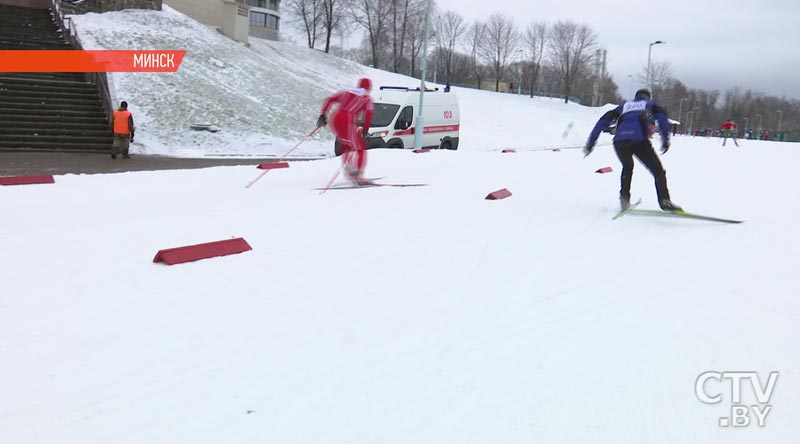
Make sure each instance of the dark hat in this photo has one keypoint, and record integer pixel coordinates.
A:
(123, 105)
(643, 93)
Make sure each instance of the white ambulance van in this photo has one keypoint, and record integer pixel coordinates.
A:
(396, 110)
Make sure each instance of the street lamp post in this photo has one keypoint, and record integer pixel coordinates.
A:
(691, 122)
(649, 52)
(746, 120)
(632, 85)
(680, 109)
(780, 118)
(759, 125)
(435, 63)
(519, 71)
(420, 124)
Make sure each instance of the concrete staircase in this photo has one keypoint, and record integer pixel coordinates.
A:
(46, 111)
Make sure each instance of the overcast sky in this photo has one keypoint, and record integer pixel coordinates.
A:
(711, 44)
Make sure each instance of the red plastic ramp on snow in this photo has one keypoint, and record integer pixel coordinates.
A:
(26, 180)
(193, 253)
(499, 194)
(273, 165)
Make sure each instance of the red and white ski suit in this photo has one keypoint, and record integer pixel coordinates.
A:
(351, 103)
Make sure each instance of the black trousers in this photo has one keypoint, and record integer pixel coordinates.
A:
(643, 150)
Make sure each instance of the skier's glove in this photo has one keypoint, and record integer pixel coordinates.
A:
(322, 121)
(665, 146)
(132, 136)
(588, 148)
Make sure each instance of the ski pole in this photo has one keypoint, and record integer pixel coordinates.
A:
(335, 175)
(283, 156)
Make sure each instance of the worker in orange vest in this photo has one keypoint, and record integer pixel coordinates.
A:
(123, 131)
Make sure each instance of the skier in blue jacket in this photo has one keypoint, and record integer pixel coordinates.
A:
(632, 138)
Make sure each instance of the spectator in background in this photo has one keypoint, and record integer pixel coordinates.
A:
(123, 131)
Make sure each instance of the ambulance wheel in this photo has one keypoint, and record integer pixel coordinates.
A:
(446, 145)
(395, 143)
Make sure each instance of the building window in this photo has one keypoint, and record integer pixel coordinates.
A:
(266, 4)
(272, 22)
(263, 20)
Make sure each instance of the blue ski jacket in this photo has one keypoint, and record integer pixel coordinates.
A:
(633, 119)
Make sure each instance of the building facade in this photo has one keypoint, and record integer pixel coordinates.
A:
(265, 16)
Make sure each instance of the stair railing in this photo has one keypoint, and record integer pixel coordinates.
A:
(99, 79)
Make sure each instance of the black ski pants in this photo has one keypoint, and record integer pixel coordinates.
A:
(644, 151)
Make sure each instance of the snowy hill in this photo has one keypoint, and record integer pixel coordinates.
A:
(402, 315)
(267, 97)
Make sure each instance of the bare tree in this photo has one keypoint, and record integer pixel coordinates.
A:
(570, 49)
(661, 73)
(500, 42)
(307, 16)
(415, 32)
(450, 26)
(373, 15)
(333, 14)
(732, 102)
(401, 14)
(535, 41)
(474, 39)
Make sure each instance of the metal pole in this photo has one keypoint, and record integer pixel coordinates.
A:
(419, 127)
(633, 88)
(759, 125)
(647, 74)
(649, 52)
(780, 118)
(435, 63)
(680, 109)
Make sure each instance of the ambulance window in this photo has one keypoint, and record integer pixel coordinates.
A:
(405, 119)
(383, 114)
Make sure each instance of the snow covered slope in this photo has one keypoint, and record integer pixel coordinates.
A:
(266, 97)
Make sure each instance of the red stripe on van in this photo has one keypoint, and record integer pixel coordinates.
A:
(429, 130)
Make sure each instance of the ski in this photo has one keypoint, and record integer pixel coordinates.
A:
(373, 185)
(684, 214)
(627, 210)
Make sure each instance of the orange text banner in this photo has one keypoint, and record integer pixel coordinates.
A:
(90, 61)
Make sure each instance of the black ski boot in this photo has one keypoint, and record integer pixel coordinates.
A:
(668, 205)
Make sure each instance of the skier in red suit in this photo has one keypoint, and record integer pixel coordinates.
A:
(351, 103)
(728, 130)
